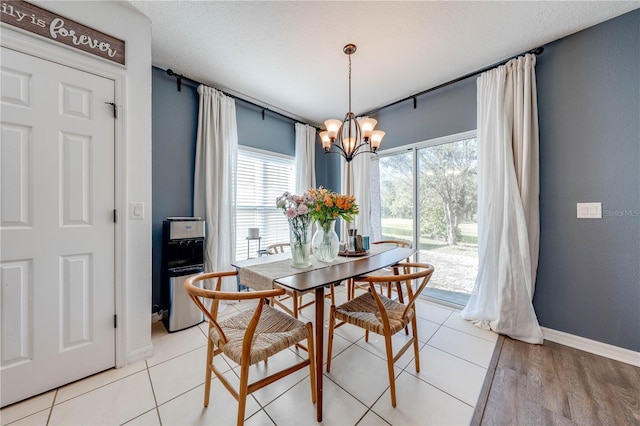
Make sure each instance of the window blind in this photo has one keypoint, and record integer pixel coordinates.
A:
(261, 177)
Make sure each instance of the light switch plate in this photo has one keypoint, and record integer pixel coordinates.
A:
(136, 210)
(589, 210)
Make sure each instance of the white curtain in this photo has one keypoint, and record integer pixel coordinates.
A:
(508, 189)
(214, 179)
(359, 187)
(305, 162)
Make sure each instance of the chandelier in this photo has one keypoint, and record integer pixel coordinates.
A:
(351, 136)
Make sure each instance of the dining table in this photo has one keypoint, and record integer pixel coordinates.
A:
(263, 272)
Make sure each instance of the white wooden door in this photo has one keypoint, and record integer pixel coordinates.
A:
(56, 225)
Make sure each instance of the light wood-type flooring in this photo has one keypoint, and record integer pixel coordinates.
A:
(553, 384)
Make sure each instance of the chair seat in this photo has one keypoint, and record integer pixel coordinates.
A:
(275, 332)
(362, 311)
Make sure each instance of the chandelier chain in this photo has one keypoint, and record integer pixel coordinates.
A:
(349, 82)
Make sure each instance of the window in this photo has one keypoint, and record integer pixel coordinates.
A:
(429, 194)
(261, 178)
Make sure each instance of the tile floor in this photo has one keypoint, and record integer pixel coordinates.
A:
(167, 389)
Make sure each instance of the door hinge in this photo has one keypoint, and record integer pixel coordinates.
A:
(115, 321)
(115, 108)
(115, 216)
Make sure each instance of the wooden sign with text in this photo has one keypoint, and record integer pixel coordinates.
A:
(55, 27)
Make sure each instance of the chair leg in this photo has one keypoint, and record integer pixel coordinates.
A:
(332, 323)
(207, 374)
(312, 363)
(416, 355)
(392, 377)
(243, 392)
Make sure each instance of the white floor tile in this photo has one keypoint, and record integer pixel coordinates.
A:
(463, 345)
(37, 419)
(433, 312)
(339, 342)
(150, 418)
(182, 373)
(169, 345)
(372, 419)
(295, 407)
(456, 322)
(189, 409)
(377, 347)
(419, 403)
(426, 329)
(276, 363)
(453, 375)
(115, 403)
(27, 407)
(97, 380)
(361, 373)
(259, 419)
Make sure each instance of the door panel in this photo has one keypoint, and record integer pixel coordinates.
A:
(57, 245)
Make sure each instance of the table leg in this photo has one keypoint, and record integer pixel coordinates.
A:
(319, 349)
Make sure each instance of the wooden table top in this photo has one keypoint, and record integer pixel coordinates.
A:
(315, 278)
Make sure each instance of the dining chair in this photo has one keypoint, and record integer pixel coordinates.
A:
(249, 337)
(354, 283)
(379, 314)
(295, 296)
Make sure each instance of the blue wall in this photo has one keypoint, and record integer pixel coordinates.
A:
(589, 112)
(443, 112)
(175, 121)
(175, 124)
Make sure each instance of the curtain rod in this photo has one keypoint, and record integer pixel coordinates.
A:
(537, 51)
(180, 77)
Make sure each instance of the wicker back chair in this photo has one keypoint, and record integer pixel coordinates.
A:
(379, 314)
(277, 248)
(355, 284)
(249, 337)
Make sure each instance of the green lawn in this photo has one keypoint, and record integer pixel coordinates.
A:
(402, 229)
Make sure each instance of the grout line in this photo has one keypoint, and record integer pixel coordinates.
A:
(470, 334)
(53, 403)
(153, 392)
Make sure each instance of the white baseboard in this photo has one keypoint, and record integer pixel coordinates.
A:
(142, 353)
(592, 346)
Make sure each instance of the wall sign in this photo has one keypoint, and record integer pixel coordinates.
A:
(55, 27)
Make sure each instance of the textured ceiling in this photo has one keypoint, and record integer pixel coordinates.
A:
(288, 55)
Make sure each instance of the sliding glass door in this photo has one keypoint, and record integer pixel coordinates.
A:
(428, 196)
(396, 197)
(447, 217)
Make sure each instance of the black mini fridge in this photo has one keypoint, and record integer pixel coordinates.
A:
(182, 256)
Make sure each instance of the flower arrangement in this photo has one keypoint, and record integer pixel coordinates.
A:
(327, 205)
(297, 210)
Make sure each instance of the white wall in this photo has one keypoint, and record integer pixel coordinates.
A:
(133, 160)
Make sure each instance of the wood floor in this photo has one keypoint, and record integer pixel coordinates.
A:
(553, 384)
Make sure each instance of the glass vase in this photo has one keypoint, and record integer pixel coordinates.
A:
(325, 243)
(300, 241)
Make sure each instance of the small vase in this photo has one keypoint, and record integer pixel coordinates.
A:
(325, 243)
(300, 240)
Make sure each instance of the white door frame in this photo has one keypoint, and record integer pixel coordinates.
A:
(39, 47)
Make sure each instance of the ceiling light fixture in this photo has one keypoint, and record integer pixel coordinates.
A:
(351, 136)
